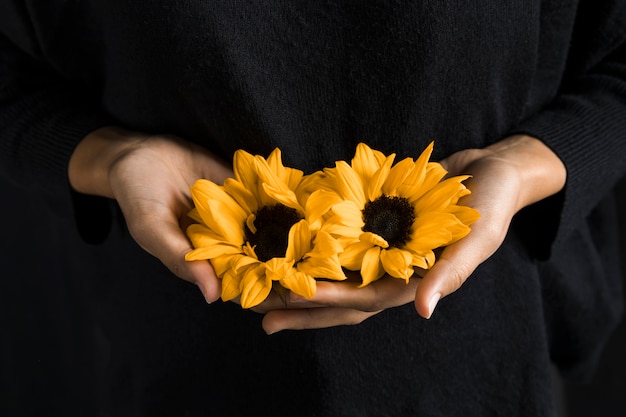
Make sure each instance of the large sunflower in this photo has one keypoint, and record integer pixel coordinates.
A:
(263, 230)
(393, 217)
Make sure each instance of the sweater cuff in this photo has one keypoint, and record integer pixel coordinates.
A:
(591, 142)
(41, 132)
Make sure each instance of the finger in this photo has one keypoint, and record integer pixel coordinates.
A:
(379, 295)
(170, 245)
(455, 265)
(276, 302)
(315, 318)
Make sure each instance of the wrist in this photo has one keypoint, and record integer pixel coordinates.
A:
(91, 161)
(541, 171)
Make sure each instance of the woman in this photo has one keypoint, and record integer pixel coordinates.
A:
(134, 102)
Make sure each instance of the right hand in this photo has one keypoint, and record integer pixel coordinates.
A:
(150, 177)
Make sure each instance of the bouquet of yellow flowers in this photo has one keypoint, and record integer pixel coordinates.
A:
(272, 227)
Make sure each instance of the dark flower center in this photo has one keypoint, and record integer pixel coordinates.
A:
(390, 218)
(272, 231)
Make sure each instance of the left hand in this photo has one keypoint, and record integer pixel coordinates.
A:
(506, 177)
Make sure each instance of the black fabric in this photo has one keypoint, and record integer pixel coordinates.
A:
(316, 78)
(48, 354)
(604, 393)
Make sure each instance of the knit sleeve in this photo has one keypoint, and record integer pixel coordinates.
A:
(42, 118)
(585, 126)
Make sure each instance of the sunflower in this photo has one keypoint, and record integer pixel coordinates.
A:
(393, 217)
(263, 230)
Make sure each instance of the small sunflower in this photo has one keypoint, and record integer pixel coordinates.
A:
(262, 230)
(393, 217)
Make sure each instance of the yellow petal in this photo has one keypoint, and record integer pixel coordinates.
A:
(277, 183)
(352, 256)
(424, 157)
(255, 286)
(334, 226)
(249, 251)
(240, 263)
(412, 184)
(433, 175)
(397, 175)
(242, 195)
(442, 195)
(211, 252)
(329, 177)
(208, 197)
(208, 244)
(282, 194)
(299, 242)
(265, 177)
(274, 161)
(250, 222)
(348, 214)
(317, 205)
(222, 221)
(375, 184)
(300, 283)
(397, 263)
(231, 283)
(373, 239)
(200, 235)
(288, 176)
(322, 267)
(344, 220)
(464, 214)
(430, 259)
(367, 161)
(349, 184)
(425, 260)
(432, 230)
(458, 233)
(326, 245)
(221, 264)
(243, 167)
(311, 183)
(372, 269)
(293, 177)
(277, 268)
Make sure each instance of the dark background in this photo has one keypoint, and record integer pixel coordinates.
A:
(48, 342)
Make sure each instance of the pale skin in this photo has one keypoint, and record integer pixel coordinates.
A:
(150, 176)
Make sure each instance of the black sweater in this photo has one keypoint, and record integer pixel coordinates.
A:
(315, 78)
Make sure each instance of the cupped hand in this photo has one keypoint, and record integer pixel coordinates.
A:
(506, 177)
(150, 177)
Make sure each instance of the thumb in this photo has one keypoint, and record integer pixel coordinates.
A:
(445, 277)
(456, 263)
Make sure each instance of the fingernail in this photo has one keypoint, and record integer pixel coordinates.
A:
(432, 303)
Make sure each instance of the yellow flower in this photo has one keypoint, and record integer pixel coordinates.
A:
(394, 216)
(261, 229)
